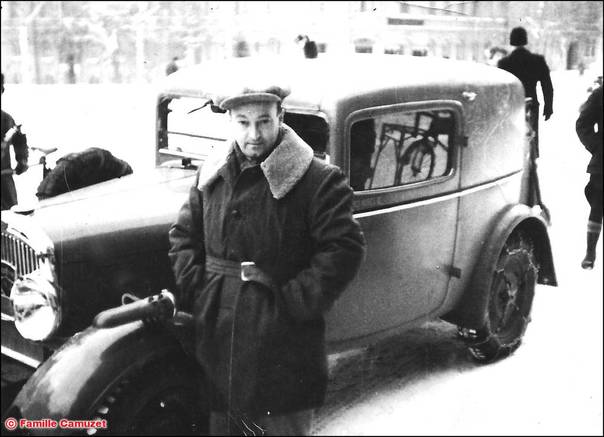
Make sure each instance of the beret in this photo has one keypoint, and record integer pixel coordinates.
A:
(250, 94)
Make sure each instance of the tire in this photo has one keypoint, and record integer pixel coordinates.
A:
(508, 305)
(162, 399)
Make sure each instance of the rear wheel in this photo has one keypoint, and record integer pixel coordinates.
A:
(509, 303)
(163, 399)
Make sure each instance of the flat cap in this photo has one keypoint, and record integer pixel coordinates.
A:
(251, 94)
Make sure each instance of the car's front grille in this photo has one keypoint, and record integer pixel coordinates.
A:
(19, 254)
(25, 249)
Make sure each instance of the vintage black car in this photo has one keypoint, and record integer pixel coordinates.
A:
(438, 155)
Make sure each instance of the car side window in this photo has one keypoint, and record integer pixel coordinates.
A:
(401, 148)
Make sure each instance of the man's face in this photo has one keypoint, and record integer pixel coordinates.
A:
(256, 127)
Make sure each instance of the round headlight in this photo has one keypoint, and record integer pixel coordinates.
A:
(36, 306)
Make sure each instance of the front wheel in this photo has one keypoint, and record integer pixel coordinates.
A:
(163, 399)
(508, 305)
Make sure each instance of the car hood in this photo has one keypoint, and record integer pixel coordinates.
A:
(118, 216)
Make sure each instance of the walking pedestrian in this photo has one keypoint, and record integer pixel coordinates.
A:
(172, 66)
(262, 248)
(11, 135)
(530, 68)
(589, 131)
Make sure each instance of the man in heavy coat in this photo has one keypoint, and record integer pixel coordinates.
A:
(264, 246)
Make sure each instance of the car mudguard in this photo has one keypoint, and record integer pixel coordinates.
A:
(470, 310)
(76, 379)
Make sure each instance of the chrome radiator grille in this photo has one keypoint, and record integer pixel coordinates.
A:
(19, 254)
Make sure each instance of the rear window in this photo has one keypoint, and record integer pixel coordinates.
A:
(402, 148)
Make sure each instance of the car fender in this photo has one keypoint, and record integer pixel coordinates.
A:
(470, 310)
(76, 379)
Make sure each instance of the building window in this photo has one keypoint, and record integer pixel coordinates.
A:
(394, 50)
(470, 8)
(476, 51)
(363, 45)
(401, 148)
(274, 46)
(590, 48)
(461, 51)
(446, 50)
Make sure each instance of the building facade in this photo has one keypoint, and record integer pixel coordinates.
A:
(126, 42)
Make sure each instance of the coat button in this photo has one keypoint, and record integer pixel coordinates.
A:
(235, 213)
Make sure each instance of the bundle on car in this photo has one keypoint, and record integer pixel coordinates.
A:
(81, 169)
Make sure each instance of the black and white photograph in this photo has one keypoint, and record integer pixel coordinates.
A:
(302, 218)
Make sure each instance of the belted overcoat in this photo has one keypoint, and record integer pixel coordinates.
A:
(262, 346)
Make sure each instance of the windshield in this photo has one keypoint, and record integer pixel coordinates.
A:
(190, 129)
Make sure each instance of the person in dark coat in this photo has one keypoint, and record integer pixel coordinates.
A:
(261, 250)
(172, 66)
(11, 135)
(590, 118)
(309, 47)
(530, 68)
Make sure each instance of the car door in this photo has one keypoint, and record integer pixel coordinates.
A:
(403, 164)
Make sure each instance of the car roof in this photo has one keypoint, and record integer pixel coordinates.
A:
(321, 83)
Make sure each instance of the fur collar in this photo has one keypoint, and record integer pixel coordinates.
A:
(283, 168)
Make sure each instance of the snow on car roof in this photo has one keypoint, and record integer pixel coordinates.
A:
(323, 81)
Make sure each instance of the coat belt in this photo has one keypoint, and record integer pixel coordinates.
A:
(247, 271)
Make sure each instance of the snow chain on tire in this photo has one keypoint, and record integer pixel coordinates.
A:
(508, 305)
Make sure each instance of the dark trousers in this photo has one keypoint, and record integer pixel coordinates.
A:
(532, 117)
(593, 194)
(9, 192)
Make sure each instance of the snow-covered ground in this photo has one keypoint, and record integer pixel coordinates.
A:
(421, 383)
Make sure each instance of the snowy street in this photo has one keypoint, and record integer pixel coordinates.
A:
(423, 382)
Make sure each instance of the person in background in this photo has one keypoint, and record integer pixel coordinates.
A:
(70, 76)
(589, 131)
(530, 68)
(11, 135)
(261, 250)
(310, 47)
(172, 66)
